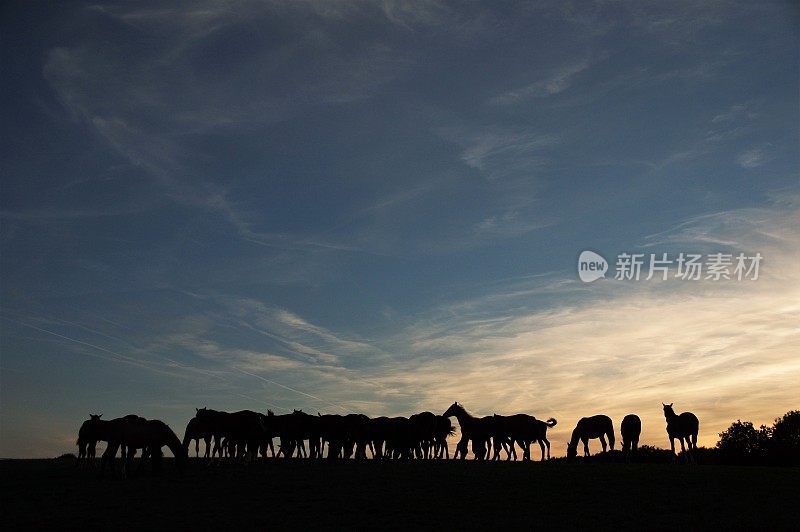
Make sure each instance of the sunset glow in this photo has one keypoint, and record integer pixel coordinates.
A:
(378, 207)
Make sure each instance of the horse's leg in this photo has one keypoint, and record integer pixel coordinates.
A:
(672, 447)
(129, 460)
(81, 453)
(146, 453)
(541, 446)
(217, 449)
(496, 455)
(461, 448)
(611, 439)
(603, 442)
(108, 457)
(547, 444)
(585, 446)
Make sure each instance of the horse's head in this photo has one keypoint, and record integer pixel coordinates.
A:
(668, 411)
(95, 417)
(454, 409)
(270, 413)
(572, 451)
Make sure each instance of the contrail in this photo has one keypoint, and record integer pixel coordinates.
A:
(94, 331)
(117, 357)
(292, 389)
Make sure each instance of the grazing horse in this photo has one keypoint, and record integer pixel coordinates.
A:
(588, 428)
(684, 427)
(479, 430)
(151, 435)
(630, 428)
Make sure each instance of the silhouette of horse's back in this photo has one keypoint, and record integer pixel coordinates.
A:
(599, 426)
(684, 427)
(631, 429)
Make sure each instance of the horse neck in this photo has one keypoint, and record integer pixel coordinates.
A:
(576, 435)
(671, 415)
(172, 441)
(464, 418)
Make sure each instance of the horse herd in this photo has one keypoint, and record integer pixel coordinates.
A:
(247, 434)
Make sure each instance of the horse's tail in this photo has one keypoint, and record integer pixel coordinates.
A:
(551, 422)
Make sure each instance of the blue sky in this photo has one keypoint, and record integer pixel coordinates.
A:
(378, 207)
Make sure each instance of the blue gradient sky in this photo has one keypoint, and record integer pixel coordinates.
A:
(378, 206)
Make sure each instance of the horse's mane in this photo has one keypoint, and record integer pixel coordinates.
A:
(459, 405)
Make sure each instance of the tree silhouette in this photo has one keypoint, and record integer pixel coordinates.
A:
(784, 444)
(742, 441)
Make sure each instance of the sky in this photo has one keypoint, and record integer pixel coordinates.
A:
(378, 207)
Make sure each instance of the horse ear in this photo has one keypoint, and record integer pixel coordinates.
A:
(670, 405)
(663, 404)
(99, 416)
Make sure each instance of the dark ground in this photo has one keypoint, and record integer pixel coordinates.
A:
(450, 495)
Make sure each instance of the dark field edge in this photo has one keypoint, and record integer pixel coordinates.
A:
(443, 495)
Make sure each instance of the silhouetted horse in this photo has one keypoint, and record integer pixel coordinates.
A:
(245, 428)
(423, 426)
(442, 429)
(197, 430)
(683, 427)
(392, 437)
(88, 436)
(95, 430)
(477, 430)
(522, 429)
(293, 429)
(133, 432)
(631, 429)
(588, 428)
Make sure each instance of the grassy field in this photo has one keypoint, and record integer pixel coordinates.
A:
(441, 495)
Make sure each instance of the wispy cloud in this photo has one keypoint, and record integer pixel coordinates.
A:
(732, 358)
(556, 83)
(753, 157)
